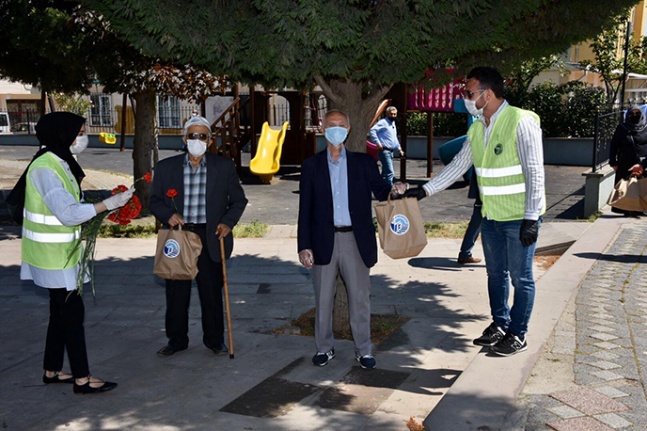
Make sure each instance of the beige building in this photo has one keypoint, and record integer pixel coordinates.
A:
(636, 84)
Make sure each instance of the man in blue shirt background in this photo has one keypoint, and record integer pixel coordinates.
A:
(385, 135)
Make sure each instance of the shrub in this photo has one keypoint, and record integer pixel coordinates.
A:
(445, 124)
(565, 110)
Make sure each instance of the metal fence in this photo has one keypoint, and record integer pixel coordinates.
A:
(605, 126)
(171, 116)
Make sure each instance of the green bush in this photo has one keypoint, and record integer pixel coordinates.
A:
(565, 110)
(445, 124)
(547, 101)
(583, 105)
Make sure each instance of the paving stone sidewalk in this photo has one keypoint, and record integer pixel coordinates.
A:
(602, 337)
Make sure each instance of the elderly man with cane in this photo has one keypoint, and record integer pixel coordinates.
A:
(208, 200)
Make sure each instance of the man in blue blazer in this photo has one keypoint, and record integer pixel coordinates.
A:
(209, 201)
(336, 233)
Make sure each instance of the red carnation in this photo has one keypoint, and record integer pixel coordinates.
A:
(119, 189)
(148, 177)
(171, 193)
(128, 212)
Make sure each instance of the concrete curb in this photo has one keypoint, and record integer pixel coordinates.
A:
(478, 400)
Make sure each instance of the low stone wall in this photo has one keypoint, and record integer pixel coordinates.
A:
(597, 189)
(557, 151)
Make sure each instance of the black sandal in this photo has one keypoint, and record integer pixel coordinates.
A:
(57, 379)
(87, 389)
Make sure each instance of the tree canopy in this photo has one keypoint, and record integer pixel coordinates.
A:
(354, 49)
(282, 43)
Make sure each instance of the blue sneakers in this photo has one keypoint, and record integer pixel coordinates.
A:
(367, 362)
(321, 359)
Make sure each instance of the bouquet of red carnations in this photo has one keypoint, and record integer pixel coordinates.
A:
(90, 230)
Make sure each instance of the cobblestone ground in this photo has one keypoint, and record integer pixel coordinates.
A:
(608, 336)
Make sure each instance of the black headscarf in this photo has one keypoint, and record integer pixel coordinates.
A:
(642, 123)
(56, 132)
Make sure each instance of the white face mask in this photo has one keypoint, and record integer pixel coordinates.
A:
(80, 144)
(470, 105)
(196, 147)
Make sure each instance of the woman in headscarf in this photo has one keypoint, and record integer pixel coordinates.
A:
(629, 147)
(51, 250)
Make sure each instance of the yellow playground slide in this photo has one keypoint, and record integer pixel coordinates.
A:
(268, 153)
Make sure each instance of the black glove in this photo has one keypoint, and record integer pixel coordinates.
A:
(529, 232)
(417, 192)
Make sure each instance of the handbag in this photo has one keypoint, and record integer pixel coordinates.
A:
(176, 255)
(400, 227)
(630, 194)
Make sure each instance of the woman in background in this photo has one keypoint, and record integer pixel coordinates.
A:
(629, 147)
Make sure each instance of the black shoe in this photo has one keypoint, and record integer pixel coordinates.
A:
(56, 379)
(321, 359)
(510, 345)
(218, 348)
(169, 350)
(492, 335)
(87, 389)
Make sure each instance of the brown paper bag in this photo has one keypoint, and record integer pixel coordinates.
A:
(176, 255)
(401, 228)
(630, 194)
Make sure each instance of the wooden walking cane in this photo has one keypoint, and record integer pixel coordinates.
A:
(226, 288)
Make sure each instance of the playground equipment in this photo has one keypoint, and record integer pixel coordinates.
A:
(268, 154)
(107, 138)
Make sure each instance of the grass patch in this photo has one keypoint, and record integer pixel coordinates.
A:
(111, 230)
(382, 326)
(144, 227)
(440, 230)
(445, 230)
(255, 229)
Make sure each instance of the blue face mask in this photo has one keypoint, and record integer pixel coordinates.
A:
(336, 135)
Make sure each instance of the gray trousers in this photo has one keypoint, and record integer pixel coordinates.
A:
(347, 260)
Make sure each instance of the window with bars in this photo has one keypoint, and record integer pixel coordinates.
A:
(101, 110)
(169, 112)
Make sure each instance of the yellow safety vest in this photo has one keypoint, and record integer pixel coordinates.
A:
(46, 243)
(502, 185)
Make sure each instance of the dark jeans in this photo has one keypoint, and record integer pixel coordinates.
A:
(178, 299)
(65, 331)
(472, 232)
(508, 261)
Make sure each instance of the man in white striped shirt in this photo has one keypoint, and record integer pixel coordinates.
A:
(505, 146)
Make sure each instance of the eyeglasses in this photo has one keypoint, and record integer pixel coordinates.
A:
(200, 136)
(470, 94)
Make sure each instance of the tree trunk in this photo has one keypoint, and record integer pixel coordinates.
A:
(359, 102)
(145, 141)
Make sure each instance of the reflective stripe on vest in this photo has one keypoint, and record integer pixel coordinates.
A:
(498, 172)
(51, 237)
(41, 218)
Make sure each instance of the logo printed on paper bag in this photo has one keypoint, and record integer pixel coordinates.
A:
(171, 249)
(400, 224)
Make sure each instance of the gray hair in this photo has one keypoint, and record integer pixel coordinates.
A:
(391, 109)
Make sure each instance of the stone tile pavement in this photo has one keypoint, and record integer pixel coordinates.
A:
(602, 338)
